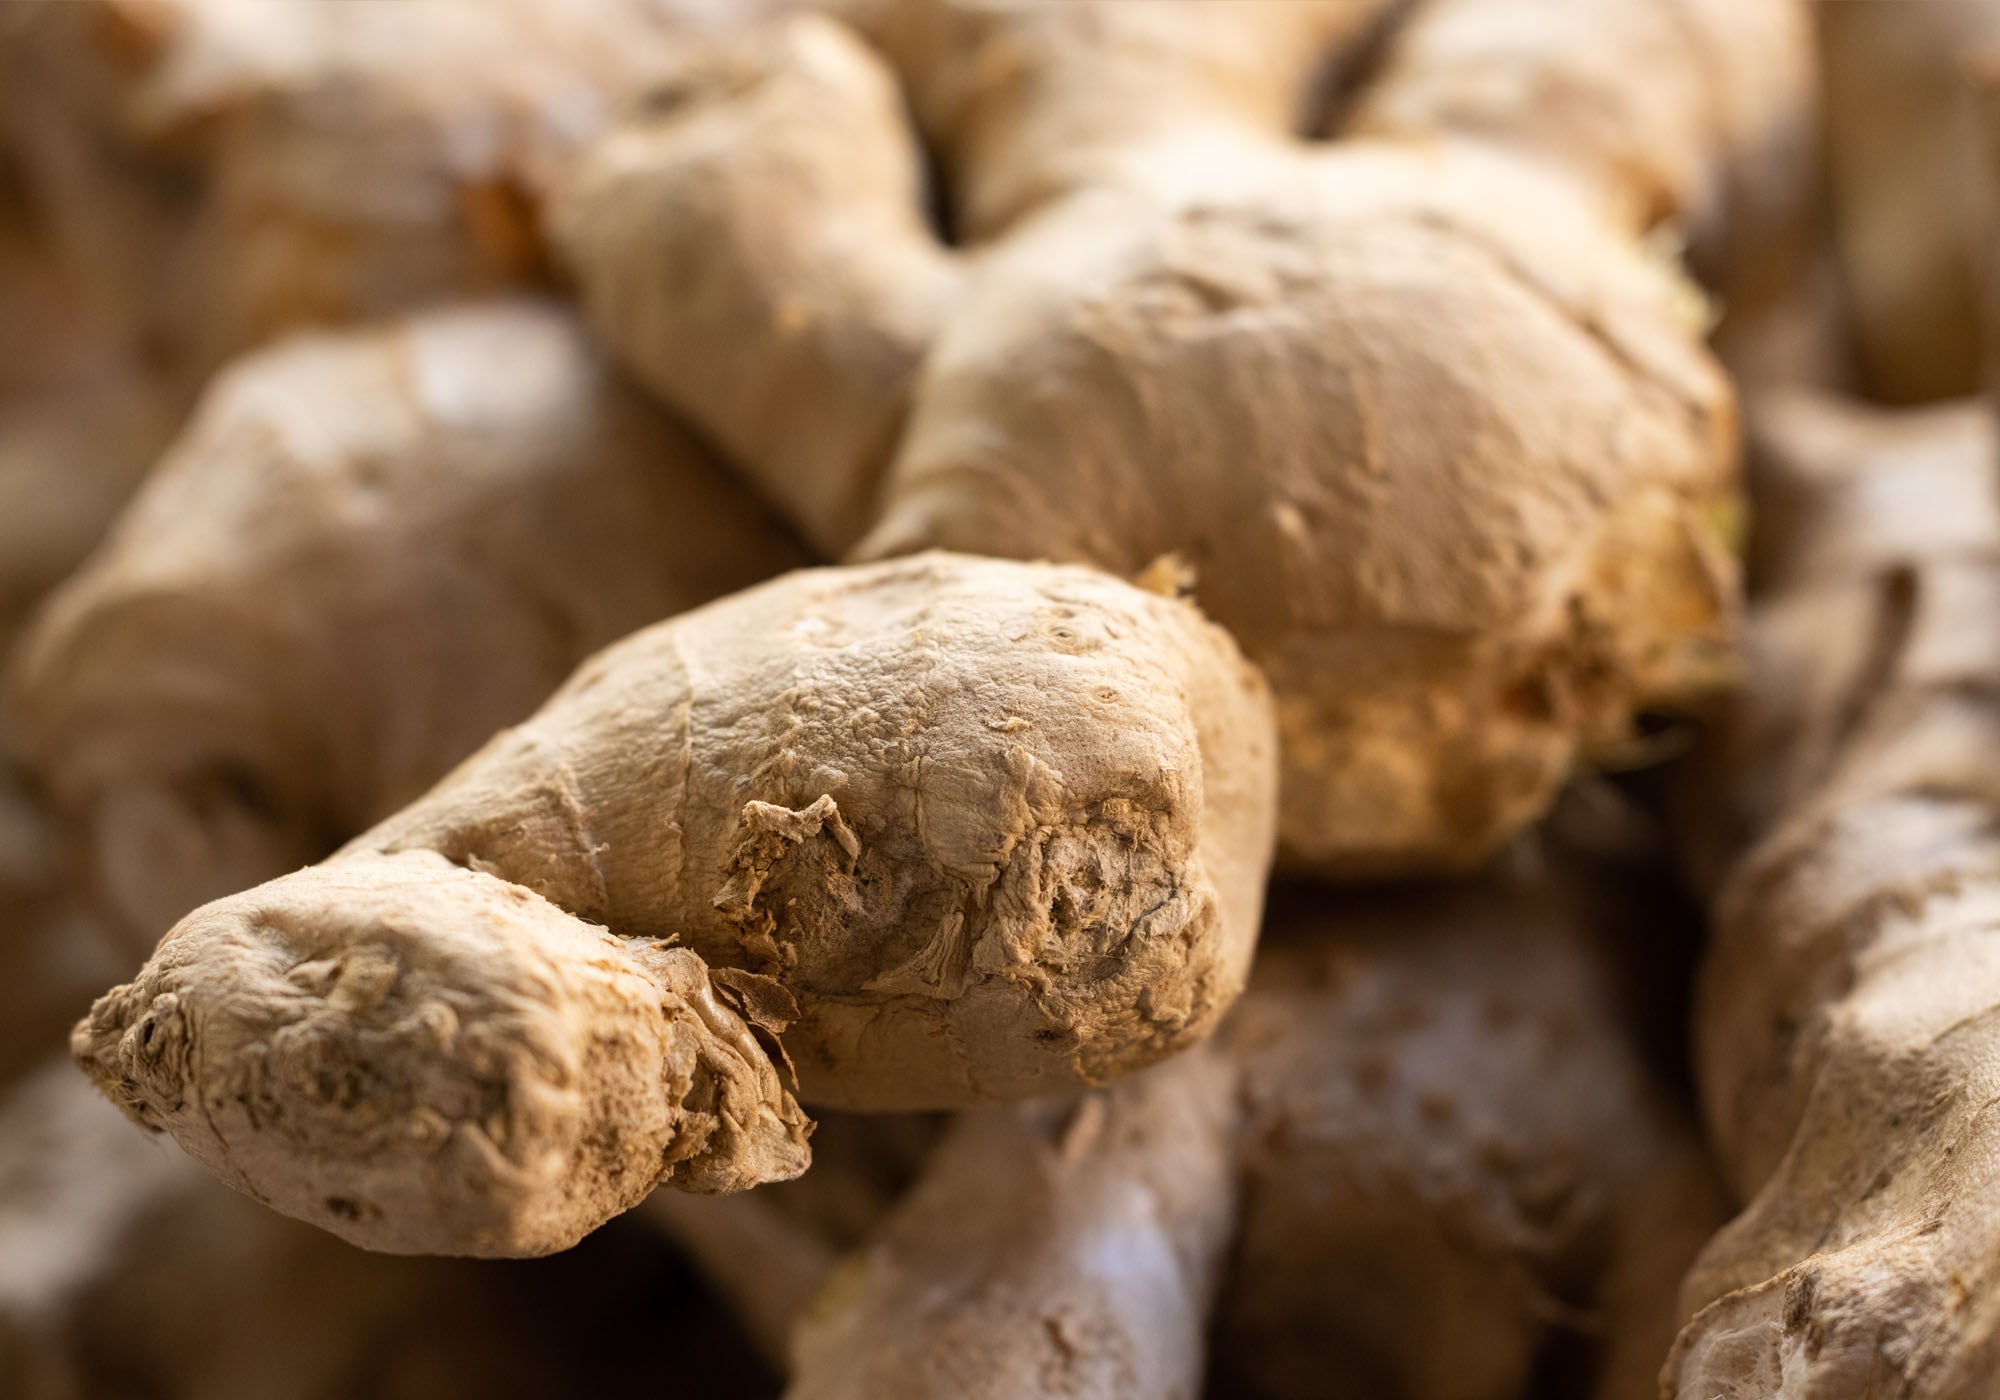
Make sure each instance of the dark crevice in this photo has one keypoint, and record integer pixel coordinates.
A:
(940, 209)
(1343, 76)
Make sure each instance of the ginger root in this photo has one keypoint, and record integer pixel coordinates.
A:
(958, 830)
(1846, 1018)
(1434, 430)
(367, 552)
(1426, 1151)
(210, 175)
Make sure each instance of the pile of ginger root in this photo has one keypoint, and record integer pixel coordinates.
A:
(992, 699)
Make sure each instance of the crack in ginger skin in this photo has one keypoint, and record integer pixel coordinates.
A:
(367, 552)
(1435, 431)
(558, 979)
(1847, 1018)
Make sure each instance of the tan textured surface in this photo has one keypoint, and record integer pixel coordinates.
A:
(367, 552)
(1846, 1051)
(963, 829)
(1439, 440)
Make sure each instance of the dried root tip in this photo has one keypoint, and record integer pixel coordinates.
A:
(425, 1059)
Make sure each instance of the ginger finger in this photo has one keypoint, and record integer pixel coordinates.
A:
(1844, 1054)
(1434, 684)
(828, 310)
(426, 1059)
(960, 830)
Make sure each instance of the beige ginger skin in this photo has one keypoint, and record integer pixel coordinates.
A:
(1436, 434)
(960, 830)
(1429, 1133)
(1846, 1019)
(367, 552)
(204, 175)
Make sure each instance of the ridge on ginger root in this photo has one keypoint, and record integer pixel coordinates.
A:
(1426, 1148)
(1422, 407)
(1848, 1047)
(368, 551)
(929, 833)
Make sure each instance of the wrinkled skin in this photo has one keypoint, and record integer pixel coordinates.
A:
(957, 830)
(1436, 437)
(1847, 1052)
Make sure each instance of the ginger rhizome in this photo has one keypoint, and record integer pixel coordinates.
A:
(1846, 1035)
(204, 175)
(1431, 1130)
(927, 833)
(1422, 408)
(367, 552)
